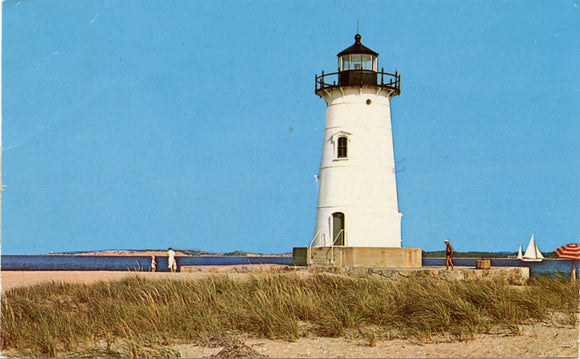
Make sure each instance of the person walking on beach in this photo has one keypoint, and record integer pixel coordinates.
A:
(153, 264)
(171, 262)
(448, 255)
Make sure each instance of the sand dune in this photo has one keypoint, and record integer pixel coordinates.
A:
(15, 279)
(539, 340)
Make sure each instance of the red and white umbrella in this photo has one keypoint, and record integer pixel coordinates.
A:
(569, 251)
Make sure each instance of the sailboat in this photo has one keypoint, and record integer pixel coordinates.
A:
(532, 253)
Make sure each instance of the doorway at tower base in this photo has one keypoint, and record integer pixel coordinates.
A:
(383, 257)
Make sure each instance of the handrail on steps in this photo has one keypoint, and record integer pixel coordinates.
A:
(341, 232)
(309, 248)
(319, 234)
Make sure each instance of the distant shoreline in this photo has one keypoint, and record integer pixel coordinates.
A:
(199, 253)
(159, 252)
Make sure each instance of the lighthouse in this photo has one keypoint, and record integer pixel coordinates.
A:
(358, 223)
(357, 201)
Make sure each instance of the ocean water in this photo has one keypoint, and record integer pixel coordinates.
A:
(142, 263)
(546, 267)
(121, 263)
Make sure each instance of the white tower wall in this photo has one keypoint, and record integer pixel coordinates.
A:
(361, 186)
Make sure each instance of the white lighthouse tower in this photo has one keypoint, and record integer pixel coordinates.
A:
(357, 201)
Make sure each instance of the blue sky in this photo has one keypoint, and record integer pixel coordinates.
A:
(194, 124)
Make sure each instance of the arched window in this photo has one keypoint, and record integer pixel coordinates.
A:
(342, 148)
(340, 142)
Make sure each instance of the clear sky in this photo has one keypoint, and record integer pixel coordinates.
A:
(193, 124)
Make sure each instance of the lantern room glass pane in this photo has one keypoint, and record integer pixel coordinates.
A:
(344, 63)
(357, 62)
(367, 62)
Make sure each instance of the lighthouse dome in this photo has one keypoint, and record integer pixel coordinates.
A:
(357, 48)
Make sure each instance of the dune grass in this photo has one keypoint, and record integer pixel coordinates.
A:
(142, 318)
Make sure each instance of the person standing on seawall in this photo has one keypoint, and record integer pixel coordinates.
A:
(448, 255)
(171, 262)
(153, 264)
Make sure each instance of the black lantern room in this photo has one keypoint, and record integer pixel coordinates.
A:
(358, 66)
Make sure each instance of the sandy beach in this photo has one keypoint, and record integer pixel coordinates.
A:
(548, 339)
(14, 279)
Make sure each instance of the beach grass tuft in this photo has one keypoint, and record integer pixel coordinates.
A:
(137, 317)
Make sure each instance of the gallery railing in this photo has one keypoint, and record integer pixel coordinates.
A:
(361, 78)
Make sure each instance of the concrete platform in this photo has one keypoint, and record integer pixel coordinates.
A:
(381, 257)
(511, 275)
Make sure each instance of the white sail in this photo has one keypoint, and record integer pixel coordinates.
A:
(532, 252)
(520, 256)
(538, 253)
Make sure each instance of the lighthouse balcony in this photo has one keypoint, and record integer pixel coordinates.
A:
(359, 78)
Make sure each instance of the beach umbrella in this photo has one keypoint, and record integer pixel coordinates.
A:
(569, 251)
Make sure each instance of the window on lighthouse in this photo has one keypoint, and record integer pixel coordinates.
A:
(342, 148)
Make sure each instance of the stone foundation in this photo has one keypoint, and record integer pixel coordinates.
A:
(381, 257)
(510, 275)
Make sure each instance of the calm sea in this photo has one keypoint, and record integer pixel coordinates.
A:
(142, 263)
(122, 263)
(547, 266)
